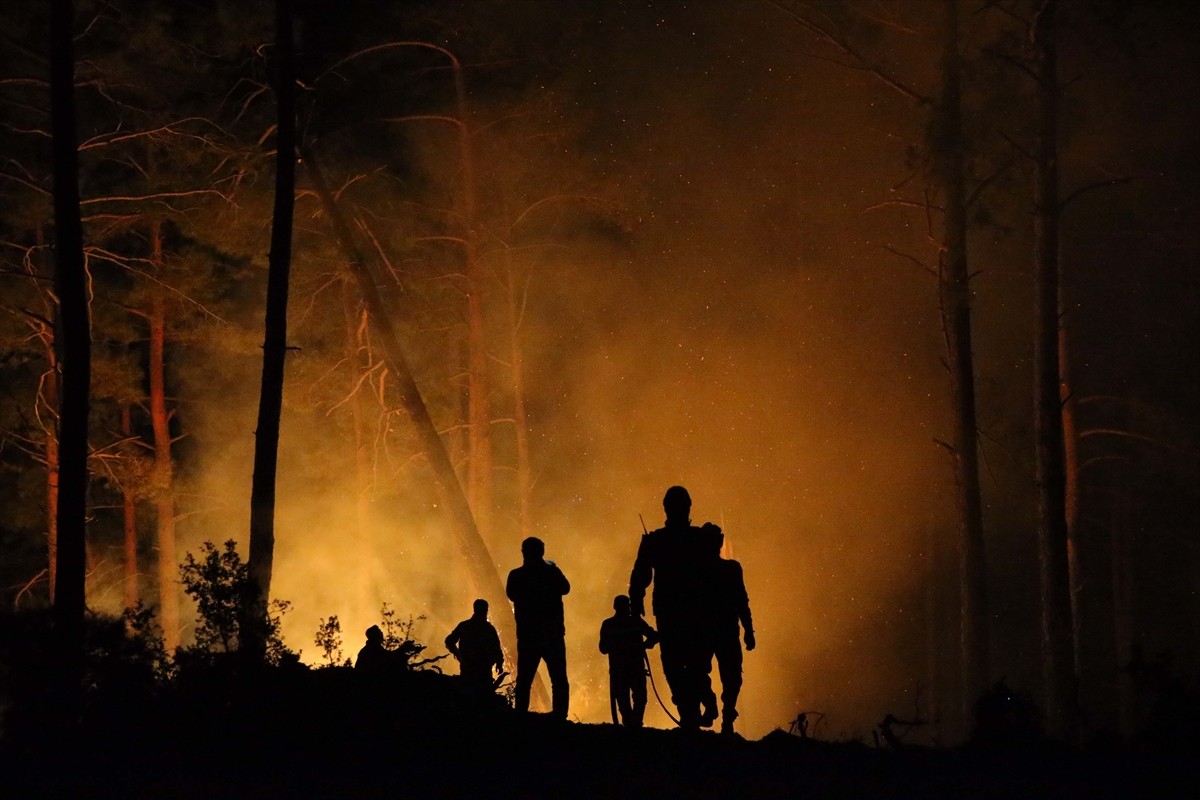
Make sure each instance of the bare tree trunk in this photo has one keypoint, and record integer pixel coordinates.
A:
(51, 399)
(955, 291)
(1122, 592)
(129, 525)
(520, 416)
(74, 340)
(47, 402)
(933, 626)
(164, 470)
(480, 470)
(1070, 427)
(1057, 649)
(266, 435)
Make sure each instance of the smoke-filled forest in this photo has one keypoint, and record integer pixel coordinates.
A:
(903, 292)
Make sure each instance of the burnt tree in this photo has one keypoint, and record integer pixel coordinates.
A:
(74, 351)
(266, 435)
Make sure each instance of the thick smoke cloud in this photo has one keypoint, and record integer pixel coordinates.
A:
(750, 338)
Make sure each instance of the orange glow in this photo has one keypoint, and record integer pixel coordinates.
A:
(809, 470)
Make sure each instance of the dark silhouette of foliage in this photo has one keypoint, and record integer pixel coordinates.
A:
(221, 585)
(124, 666)
(398, 638)
(329, 639)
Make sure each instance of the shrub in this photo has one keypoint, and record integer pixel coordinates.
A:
(329, 639)
(222, 587)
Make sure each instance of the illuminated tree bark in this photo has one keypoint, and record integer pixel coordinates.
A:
(46, 403)
(74, 342)
(1071, 487)
(480, 469)
(164, 471)
(49, 397)
(516, 314)
(266, 435)
(1050, 476)
(129, 525)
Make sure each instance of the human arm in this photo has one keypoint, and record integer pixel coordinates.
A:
(640, 577)
(564, 585)
(650, 635)
(743, 607)
(512, 586)
(497, 651)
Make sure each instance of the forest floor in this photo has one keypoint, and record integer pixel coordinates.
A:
(334, 736)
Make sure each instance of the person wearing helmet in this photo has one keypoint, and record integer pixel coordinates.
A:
(678, 559)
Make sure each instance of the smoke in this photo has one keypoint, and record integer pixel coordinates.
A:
(740, 330)
(750, 340)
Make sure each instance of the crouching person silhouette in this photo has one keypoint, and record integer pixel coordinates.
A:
(536, 589)
(373, 659)
(476, 645)
(625, 638)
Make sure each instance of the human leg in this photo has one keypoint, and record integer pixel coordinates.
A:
(674, 654)
(528, 656)
(555, 655)
(729, 665)
(619, 685)
(637, 697)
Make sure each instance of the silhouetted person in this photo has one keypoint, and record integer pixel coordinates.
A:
(678, 558)
(373, 658)
(730, 607)
(625, 638)
(536, 589)
(476, 645)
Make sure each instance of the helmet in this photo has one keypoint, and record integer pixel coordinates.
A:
(677, 502)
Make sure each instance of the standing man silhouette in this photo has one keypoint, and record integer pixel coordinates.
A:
(476, 645)
(679, 559)
(536, 589)
(730, 611)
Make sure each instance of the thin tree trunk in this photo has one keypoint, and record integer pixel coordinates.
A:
(1057, 664)
(164, 471)
(73, 338)
(520, 415)
(933, 627)
(49, 400)
(266, 435)
(480, 470)
(129, 525)
(50, 450)
(1122, 593)
(1070, 427)
(955, 290)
